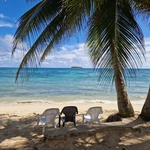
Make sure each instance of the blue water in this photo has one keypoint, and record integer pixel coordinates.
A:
(67, 85)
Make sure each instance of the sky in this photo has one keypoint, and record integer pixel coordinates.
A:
(71, 53)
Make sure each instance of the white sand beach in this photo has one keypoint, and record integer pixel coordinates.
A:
(18, 130)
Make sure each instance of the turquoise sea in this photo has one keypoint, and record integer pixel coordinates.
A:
(59, 85)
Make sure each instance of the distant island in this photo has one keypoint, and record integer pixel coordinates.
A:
(76, 67)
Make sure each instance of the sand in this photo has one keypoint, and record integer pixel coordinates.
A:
(18, 130)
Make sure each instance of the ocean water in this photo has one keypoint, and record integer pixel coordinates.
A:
(55, 85)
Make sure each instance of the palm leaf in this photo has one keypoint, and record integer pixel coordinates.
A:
(115, 38)
(50, 28)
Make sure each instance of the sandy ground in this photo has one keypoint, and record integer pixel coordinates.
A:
(18, 130)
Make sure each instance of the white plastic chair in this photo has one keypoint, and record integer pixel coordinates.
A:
(48, 117)
(92, 114)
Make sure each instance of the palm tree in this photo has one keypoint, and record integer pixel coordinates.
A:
(114, 38)
(145, 113)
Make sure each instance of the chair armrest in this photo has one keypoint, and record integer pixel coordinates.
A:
(38, 120)
(60, 119)
(39, 116)
(82, 118)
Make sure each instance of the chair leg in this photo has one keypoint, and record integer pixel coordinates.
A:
(59, 121)
(37, 124)
(82, 119)
(55, 125)
(63, 124)
(43, 130)
(74, 120)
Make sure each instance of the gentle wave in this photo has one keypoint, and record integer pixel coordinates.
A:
(68, 102)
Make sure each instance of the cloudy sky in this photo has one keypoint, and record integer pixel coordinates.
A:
(72, 53)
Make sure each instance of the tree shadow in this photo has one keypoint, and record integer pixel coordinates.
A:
(19, 133)
(22, 134)
(110, 138)
(134, 135)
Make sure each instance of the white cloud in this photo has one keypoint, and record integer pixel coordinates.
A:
(2, 16)
(63, 57)
(6, 41)
(67, 56)
(6, 24)
(6, 59)
(6, 21)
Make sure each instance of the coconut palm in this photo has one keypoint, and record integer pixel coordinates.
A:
(145, 113)
(113, 37)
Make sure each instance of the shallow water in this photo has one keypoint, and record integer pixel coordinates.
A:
(53, 85)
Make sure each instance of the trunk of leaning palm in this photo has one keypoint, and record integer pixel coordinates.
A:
(124, 105)
(145, 113)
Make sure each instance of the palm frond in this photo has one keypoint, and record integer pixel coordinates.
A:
(115, 25)
(32, 23)
(45, 25)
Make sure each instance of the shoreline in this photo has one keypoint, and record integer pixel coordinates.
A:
(38, 108)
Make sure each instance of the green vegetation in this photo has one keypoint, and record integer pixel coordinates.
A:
(76, 67)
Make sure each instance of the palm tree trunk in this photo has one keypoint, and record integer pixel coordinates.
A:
(145, 113)
(124, 105)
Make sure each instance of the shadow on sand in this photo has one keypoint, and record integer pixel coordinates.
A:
(23, 134)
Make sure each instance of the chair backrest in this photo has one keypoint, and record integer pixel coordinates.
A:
(50, 114)
(69, 112)
(94, 112)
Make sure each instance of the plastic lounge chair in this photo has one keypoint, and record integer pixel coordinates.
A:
(48, 117)
(92, 115)
(69, 112)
